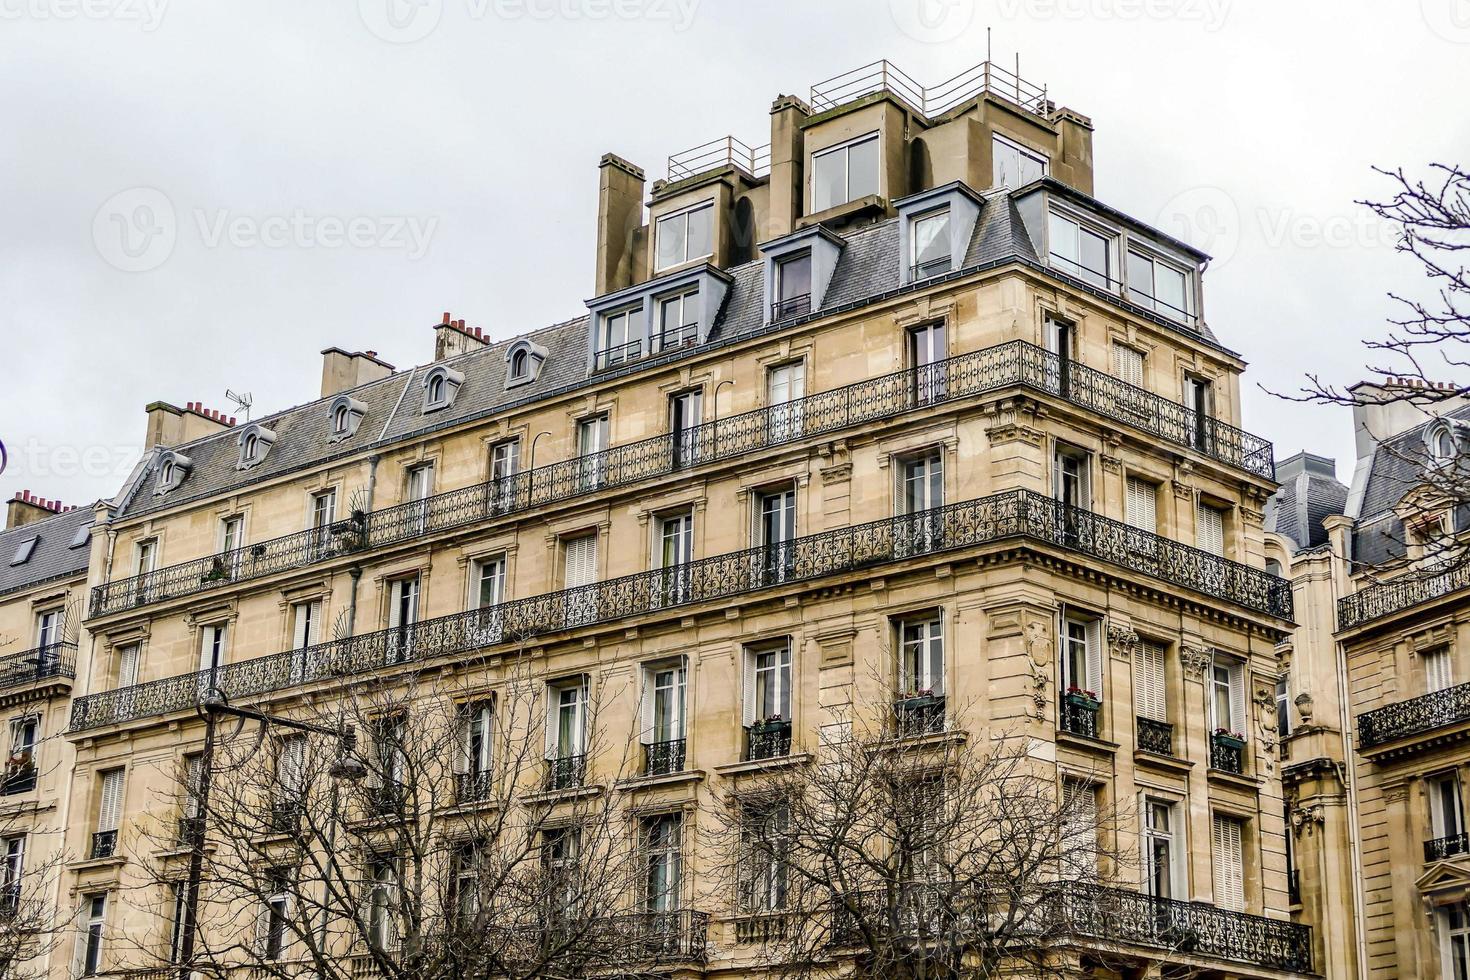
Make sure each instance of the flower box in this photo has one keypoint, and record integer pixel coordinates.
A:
(1083, 699)
(1230, 739)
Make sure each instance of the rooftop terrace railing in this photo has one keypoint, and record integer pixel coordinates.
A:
(727, 151)
(1012, 514)
(1385, 598)
(1015, 363)
(883, 76)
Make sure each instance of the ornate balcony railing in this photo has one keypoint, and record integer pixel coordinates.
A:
(656, 937)
(1446, 847)
(663, 758)
(1015, 363)
(1116, 915)
(1079, 716)
(919, 715)
(472, 787)
(1437, 709)
(104, 844)
(41, 663)
(565, 772)
(1012, 514)
(1227, 753)
(768, 740)
(1383, 598)
(1155, 736)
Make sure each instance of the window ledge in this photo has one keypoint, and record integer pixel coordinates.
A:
(667, 779)
(845, 211)
(97, 864)
(1249, 783)
(1169, 762)
(562, 795)
(1097, 746)
(751, 767)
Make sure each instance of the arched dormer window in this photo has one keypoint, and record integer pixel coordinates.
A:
(523, 360)
(441, 386)
(255, 442)
(346, 413)
(173, 468)
(1440, 444)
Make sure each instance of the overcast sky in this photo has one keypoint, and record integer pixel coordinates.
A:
(197, 195)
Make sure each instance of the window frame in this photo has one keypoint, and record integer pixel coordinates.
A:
(682, 215)
(1150, 300)
(1022, 151)
(1111, 238)
(845, 148)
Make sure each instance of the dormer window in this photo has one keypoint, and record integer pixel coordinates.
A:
(930, 245)
(1159, 285)
(346, 414)
(793, 286)
(620, 338)
(678, 319)
(172, 469)
(684, 236)
(255, 443)
(441, 385)
(523, 362)
(1439, 443)
(845, 173)
(1081, 249)
(1012, 165)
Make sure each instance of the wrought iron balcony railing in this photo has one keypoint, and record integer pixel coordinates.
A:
(566, 772)
(1227, 753)
(921, 714)
(20, 777)
(1384, 598)
(1416, 716)
(1012, 514)
(1155, 736)
(1446, 847)
(610, 357)
(1078, 714)
(472, 787)
(933, 267)
(191, 831)
(1116, 915)
(41, 663)
(663, 758)
(799, 305)
(768, 740)
(104, 844)
(656, 937)
(1015, 363)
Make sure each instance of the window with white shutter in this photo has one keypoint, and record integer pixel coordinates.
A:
(109, 807)
(581, 561)
(1141, 505)
(1082, 653)
(1210, 529)
(1080, 843)
(307, 623)
(1438, 673)
(127, 665)
(766, 686)
(1229, 858)
(1128, 365)
(1149, 684)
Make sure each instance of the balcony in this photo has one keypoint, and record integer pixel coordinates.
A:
(1078, 714)
(1156, 737)
(663, 758)
(191, 832)
(1416, 716)
(1442, 848)
(1385, 598)
(985, 78)
(921, 714)
(927, 270)
(1013, 364)
(718, 154)
(1197, 928)
(472, 787)
(565, 772)
(1014, 514)
(1227, 753)
(617, 355)
(656, 937)
(104, 844)
(791, 306)
(41, 663)
(20, 776)
(768, 740)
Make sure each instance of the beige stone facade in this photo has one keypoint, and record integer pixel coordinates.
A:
(965, 396)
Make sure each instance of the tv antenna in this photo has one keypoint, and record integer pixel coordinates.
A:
(242, 402)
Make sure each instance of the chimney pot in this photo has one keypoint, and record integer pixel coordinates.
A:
(446, 316)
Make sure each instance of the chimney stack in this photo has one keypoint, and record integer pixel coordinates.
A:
(452, 337)
(619, 218)
(169, 425)
(24, 509)
(787, 164)
(1382, 410)
(344, 370)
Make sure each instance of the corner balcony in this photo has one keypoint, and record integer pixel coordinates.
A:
(1115, 915)
(1014, 514)
(1385, 598)
(1013, 364)
(53, 660)
(1424, 715)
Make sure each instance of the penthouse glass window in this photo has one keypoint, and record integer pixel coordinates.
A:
(1081, 250)
(845, 173)
(1012, 165)
(684, 236)
(1158, 285)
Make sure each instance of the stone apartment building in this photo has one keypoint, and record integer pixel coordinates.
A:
(892, 410)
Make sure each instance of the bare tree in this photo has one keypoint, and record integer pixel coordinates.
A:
(31, 925)
(913, 852)
(455, 839)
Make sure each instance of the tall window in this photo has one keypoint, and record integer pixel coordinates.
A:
(127, 664)
(11, 875)
(664, 718)
(488, 581)
(1071, 480)
(323, 513)
(928, 347)
(1454, 941)
(20, 769)
(1158, 285)
(95, 909)
(767, 693)
(275, 917)
(923, 482)
(685, 414)
(420, 488)
(1081, 250)
(785, 389)
(1012, 165)
(561, 851)
(793, 292)
(763, 870)
(403, 613)
(290, 780)
(505, 463)
(591, 441)
(1283, 706)
(921, 656)
(566, 727)
(1438, 669)
(678, 319)
(845, 173)
(776, 514)
(306, 623)
(383, 902)
(663, 838)
(468, 880)
(1159, 852)
(579, 568)
(1229, 857)
(1141, 505)
(1210, 528)
(1082, 653)
(1446, 814)
(1150, 686)
(211, 655)
(1059, 336)
(1128, 364)
(1199, 398)
(179, 921)
(684, 236)
(231, 538)
(619, 339)
(1227, 695)
(930, 244)
(1081, 843)
(145, 555)
(474, 751)
(109, 812)
(675, 551)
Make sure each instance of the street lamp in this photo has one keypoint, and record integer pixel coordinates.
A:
(346, 768)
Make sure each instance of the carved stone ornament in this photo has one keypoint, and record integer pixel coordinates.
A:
(1307, 818)
(1122, 640)
(1266, 734)
(1195, 660)
(1037, 641)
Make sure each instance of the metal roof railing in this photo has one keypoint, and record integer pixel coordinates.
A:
(727, 151)
(883, 76)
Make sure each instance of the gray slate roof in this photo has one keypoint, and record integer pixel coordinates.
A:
(867, 269)
(53, 557)
(1309, 493)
